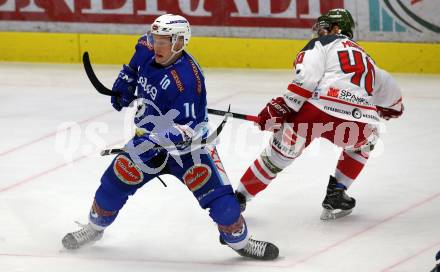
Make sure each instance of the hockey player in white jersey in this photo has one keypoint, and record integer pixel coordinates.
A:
(339, 94)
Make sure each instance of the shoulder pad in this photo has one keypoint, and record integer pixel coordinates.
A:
(324, 40)
(142, 41)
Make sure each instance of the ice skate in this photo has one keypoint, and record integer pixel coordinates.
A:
(336, 203)
(241, 198)
(86, 235)
(259, 250)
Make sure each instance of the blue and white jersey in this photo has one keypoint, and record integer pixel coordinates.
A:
(175, 94)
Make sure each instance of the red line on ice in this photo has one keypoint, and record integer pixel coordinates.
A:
(226, 262)
(47, 136)
(50, 170)
(436, 245)
(359, 233)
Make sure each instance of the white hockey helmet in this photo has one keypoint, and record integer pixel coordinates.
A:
(172, 25)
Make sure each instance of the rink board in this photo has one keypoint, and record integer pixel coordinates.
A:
(209, 51)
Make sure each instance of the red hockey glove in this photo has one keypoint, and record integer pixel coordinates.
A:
(387, 113)
(273, 115)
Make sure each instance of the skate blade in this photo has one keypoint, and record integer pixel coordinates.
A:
(334, 214)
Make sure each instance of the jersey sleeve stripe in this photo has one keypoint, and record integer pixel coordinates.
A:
(299, 91)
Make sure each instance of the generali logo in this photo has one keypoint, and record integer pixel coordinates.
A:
(287, 13)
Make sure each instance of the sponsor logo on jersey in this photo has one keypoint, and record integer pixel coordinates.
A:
(205, 195)
(197, 75)
(176, 78)
(347, 96)
(333, 92)
(350, 97)
(356, 113)
(370, 116)
(294, 100)
(216, 158)
(197, 176)
(127, 171)
(333, 109)
(285, 148)
(148, 88)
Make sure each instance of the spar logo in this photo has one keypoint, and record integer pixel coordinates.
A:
(127, 171)
(197, 176)
(404, 15)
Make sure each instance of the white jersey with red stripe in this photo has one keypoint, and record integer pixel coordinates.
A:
(336, 75)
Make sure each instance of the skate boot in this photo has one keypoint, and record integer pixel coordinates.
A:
(87, 234)
(258, 250)
(336, 203)
(241, 198)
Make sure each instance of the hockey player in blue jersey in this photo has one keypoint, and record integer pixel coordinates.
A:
(437, 267)
(172, 114)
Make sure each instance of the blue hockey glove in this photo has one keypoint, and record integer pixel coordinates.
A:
(125, 86)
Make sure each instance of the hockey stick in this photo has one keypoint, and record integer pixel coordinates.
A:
(234, 114)
(211, 138)
(105, 91)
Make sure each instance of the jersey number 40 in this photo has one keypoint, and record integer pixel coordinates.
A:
(359, 68)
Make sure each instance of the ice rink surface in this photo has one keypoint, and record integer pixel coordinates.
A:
(53, 125)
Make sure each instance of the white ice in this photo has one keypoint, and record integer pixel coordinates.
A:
(53, 125)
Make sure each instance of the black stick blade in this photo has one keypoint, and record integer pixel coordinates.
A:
(93, 78)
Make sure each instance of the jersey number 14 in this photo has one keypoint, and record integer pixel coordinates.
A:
(359, 68)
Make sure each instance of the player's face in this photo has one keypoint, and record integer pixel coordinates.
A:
(162, 48)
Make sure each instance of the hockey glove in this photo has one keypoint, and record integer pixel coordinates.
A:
(125, 86)
(273, 115)
(387, 113)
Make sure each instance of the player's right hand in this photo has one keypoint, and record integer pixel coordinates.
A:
(124, 86)
(273, 115)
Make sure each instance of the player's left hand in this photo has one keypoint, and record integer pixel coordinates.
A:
(124, 87)
(387, 113)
